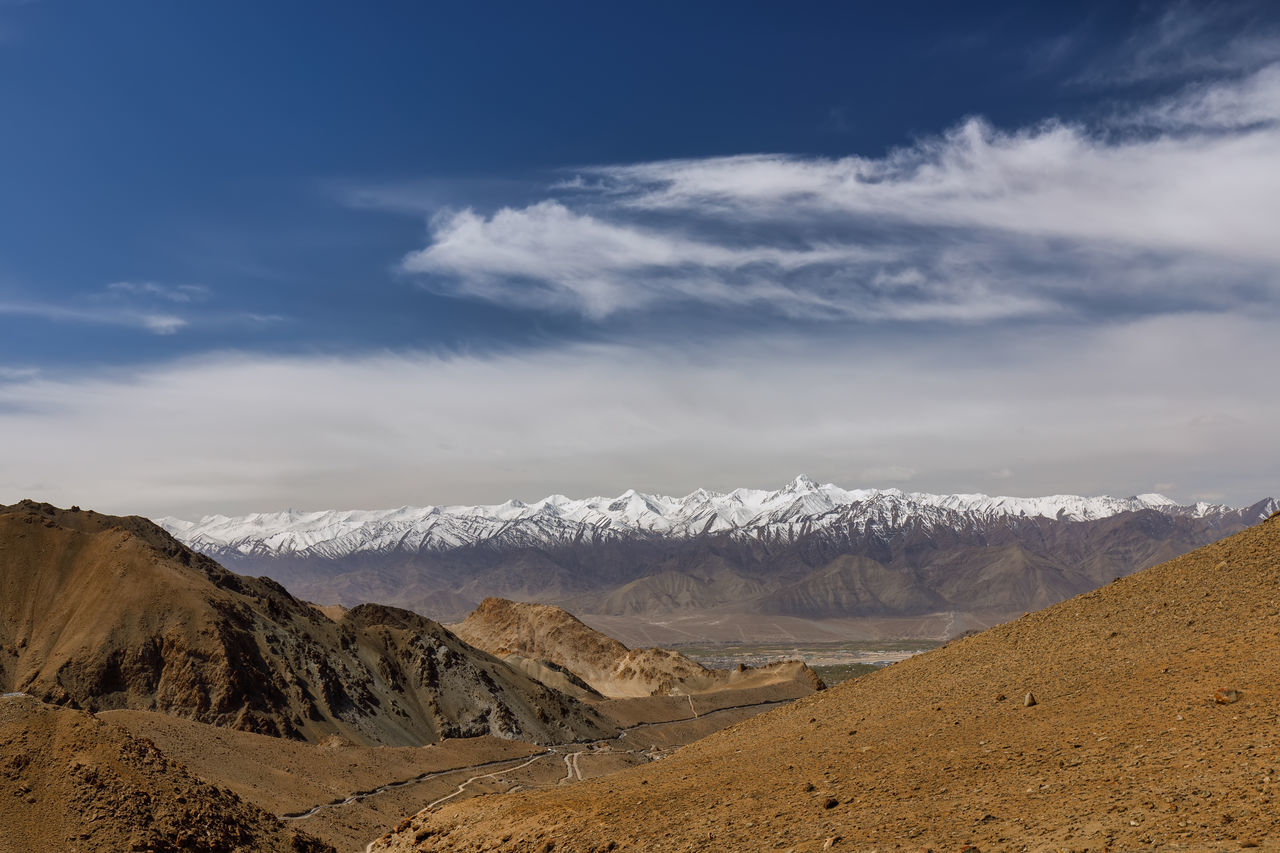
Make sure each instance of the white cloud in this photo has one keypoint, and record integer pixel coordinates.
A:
(1109, 409)
(560, 258)
(976, 224)
(1254, 100)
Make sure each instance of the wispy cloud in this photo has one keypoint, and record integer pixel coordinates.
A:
(1170, 208)
(156, 323)
(156, 308)
(1190, 40)
(183, 293)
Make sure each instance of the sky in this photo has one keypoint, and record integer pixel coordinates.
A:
(257, 256)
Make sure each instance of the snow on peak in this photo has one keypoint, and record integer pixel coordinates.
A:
(800, 506)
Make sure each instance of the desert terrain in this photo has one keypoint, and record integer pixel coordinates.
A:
(1142, 715)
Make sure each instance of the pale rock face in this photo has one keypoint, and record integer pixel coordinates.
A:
(800, 507)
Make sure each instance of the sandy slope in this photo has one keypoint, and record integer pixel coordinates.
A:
(1125, 748)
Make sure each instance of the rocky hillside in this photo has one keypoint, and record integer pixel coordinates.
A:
(70, 782)
(101, 612)
(806, 550)
(1142, 715)
(545, 633)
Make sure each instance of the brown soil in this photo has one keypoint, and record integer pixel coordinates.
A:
(70, 782)
(542, 632)
(1125, 747)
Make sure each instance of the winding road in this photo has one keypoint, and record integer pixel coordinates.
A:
(464, 785)
(571, 763)
(573, 769)
(363, 795)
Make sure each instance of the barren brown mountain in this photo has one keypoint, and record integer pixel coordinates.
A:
(69, 782)
(101, 612)
(543, 633)
(1142, 715)
(116, 639)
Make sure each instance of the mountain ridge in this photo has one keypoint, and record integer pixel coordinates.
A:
(102, 612)
(644, 559)
(801, 507)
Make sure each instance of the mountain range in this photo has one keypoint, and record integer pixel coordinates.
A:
(799, 554)
(800, 508)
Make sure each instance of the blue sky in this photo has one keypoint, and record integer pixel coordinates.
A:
(337, 254)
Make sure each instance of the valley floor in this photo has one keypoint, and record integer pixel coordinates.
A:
(348, 795)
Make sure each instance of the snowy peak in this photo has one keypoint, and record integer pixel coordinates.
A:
(802, 506)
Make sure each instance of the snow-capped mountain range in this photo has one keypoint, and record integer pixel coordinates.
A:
(799, 508)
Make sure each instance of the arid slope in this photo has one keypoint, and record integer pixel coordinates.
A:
(541, 632)
(1124, 749)
(101, 612)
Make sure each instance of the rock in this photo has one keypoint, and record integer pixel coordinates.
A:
(1029, 700)
(1000, 697)
(831, 803)
(1226, 696)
